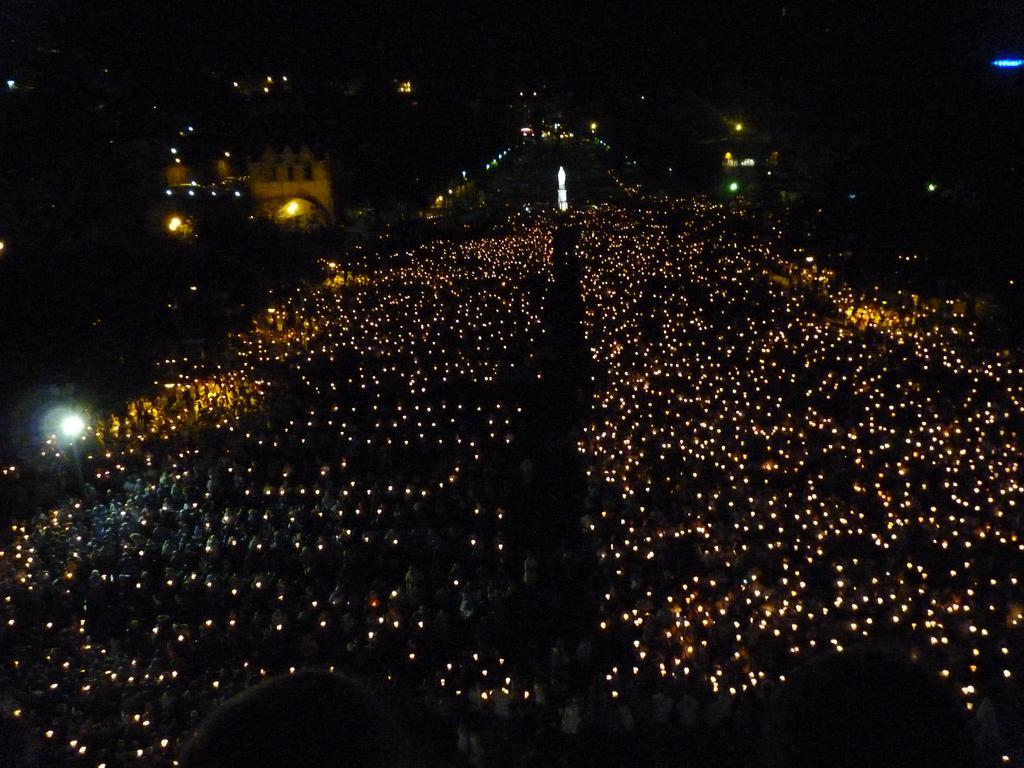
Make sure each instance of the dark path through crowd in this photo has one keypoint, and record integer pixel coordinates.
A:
(552, 470)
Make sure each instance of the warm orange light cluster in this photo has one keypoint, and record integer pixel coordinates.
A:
(777, 466)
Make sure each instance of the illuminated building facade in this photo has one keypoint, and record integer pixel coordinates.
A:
(292, 189)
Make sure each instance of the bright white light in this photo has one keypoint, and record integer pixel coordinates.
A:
(561, 177)
(72, 426)
(10, 85)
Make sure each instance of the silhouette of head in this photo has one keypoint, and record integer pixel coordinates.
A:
(311, 719)
(14, 749)
(867, 709)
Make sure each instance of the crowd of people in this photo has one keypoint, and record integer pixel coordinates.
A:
(778, 478)
(182, 405)
(351, 487)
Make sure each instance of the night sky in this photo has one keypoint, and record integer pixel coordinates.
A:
(772, 47)
(916, 70)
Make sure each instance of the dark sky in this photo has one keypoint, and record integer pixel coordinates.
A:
(631, 43)
(815, 68)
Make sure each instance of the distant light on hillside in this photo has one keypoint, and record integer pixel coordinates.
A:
(1008, 63)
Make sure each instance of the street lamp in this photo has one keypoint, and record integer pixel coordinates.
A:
(71, 426)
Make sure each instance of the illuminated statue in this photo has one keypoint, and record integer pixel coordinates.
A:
(563, 200)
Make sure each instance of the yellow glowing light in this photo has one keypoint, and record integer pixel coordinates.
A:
(738, 127)
(292, 208)
(174, 223)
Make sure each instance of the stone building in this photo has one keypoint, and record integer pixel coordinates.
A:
(292, 189)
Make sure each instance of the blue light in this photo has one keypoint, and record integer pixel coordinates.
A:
(1008, 63)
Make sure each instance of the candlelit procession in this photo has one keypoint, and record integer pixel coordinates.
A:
(384, 385)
